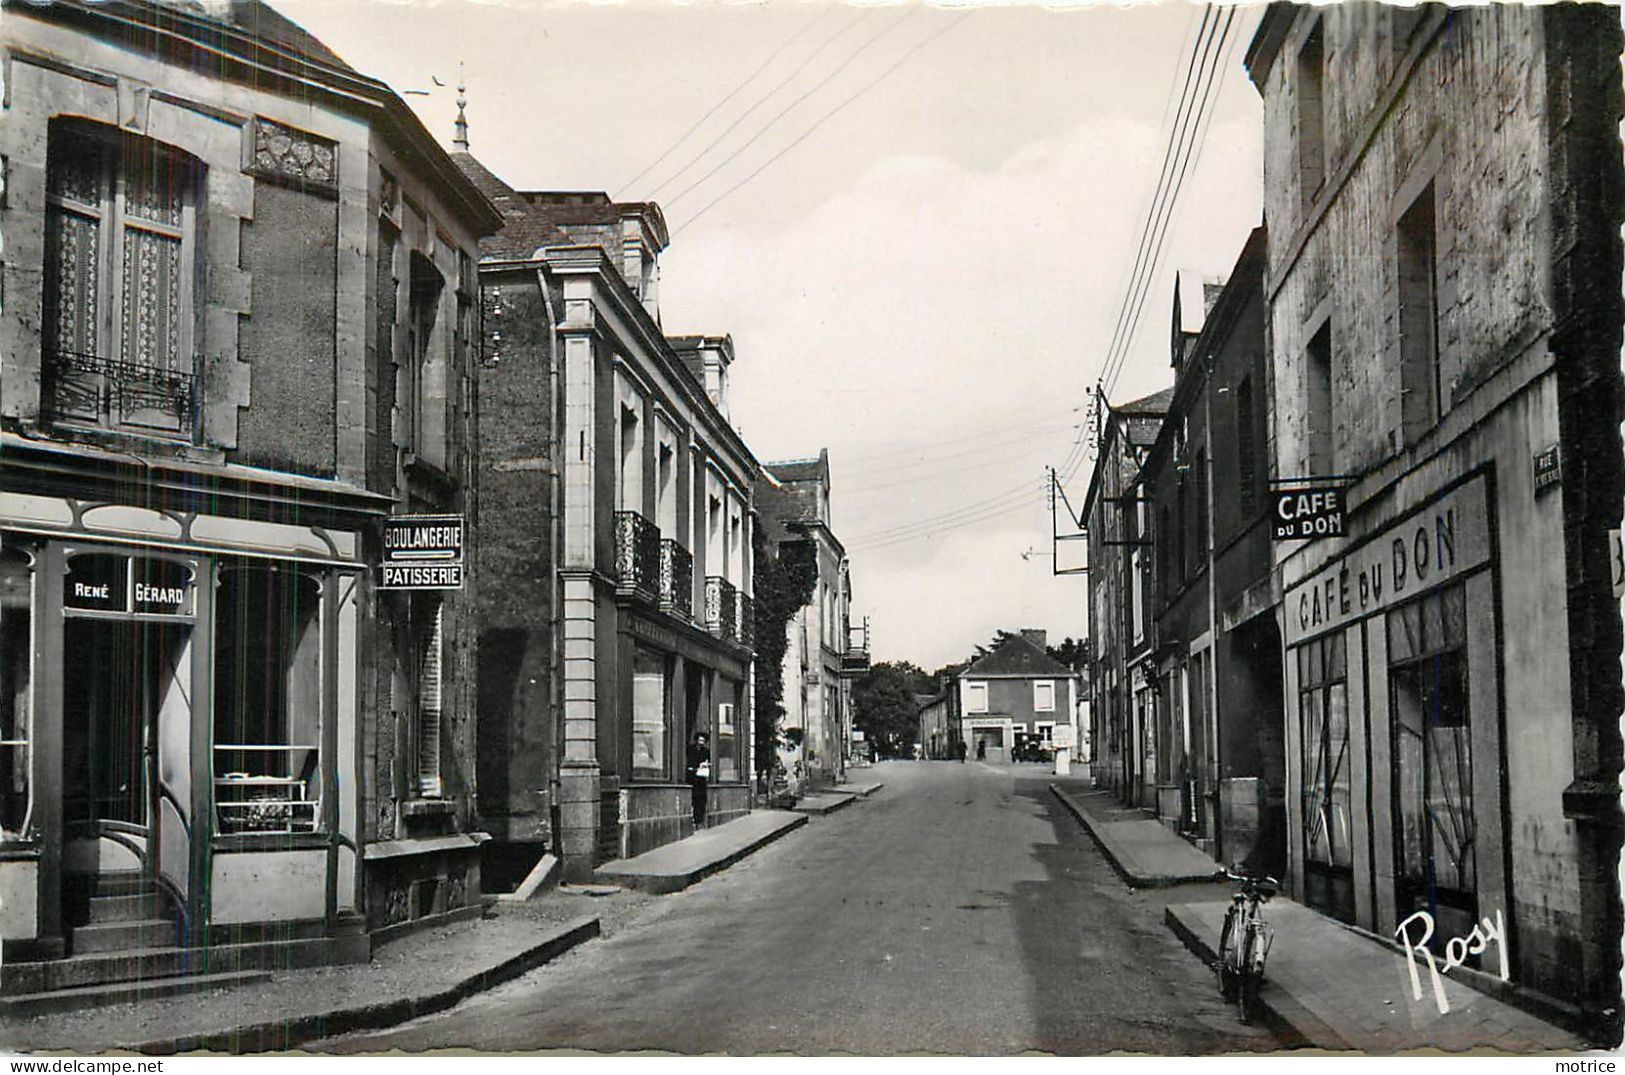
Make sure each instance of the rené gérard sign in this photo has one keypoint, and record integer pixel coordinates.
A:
(422, 552)
(1308, 511)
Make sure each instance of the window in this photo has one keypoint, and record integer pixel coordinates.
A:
(1318, 410)
(1312, 114)
(1043, 696)
(1246, 448)
(423, 398)
(267, 700)
(630, 475)
(429, 619)
(1433, 759)
(1421, 397)
(1323, 722)
(976, 698)
(729, 753)
(666, 485)
(16, 685)
(649, 715)
(121, 242)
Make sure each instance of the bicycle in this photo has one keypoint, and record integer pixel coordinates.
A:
(1244, 942)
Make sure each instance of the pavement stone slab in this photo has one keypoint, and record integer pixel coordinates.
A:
(1141, 849)
(674, 866)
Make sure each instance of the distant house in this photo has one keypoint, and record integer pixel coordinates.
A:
(1015, 692)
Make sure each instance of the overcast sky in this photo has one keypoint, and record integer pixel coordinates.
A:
(918, 224)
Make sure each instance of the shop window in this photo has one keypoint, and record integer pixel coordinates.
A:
(267, 700)
(650, 721)
(1043, 696)
(16, 682)
(976, 698)
(1420, 391)
(1433, 763)
(121, 242)
(1326, 802)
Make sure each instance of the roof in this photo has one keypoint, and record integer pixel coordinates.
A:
(533, 219)
(1155, 404)
(801, 470)
(1016, 656)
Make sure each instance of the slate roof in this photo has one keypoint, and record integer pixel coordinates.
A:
(1016, 656)
(797, 470)
(269, 25)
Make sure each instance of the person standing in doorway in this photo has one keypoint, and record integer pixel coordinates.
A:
(699, 775)
(981, 749)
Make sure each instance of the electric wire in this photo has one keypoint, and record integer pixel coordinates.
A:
(885, 74)
(781, 113)
(774, 55)
(760, 101)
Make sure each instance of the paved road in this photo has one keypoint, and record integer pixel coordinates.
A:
(958, 910)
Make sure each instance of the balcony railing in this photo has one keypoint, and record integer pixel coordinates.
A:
(721, 608)
(106, 392)
(747, 621)
(676, 579)
(637, 555)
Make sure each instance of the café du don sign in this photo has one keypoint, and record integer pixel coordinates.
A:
(422, 552)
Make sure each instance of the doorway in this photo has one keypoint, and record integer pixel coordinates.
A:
(119, 676)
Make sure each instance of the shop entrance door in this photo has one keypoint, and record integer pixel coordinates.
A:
(120, 678)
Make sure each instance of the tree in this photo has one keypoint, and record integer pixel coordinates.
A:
(1070, 653)
(783, 583)
(883, 705)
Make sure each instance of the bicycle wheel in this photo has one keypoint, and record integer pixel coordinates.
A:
(1248, 980)
(1229, 958)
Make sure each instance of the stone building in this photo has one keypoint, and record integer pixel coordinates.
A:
(238, 297)
(1013, 696)
(793, 498)
(1123, 707)
(1443, 193)
(616, 616)
(1216, 657)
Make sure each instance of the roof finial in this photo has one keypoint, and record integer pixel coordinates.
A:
(461, 138)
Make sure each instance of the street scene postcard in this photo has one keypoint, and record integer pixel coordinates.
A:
(801, 528)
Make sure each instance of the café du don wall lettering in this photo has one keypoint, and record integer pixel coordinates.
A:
(1447, 537)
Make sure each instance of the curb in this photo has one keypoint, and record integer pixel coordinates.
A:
(1138, 880)
(1296, 1026)
(846, 799)
(290, 1034)
(664, 884)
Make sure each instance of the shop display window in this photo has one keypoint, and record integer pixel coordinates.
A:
(267, 700)
(16, 682)
(650, 690)
(1326, 801)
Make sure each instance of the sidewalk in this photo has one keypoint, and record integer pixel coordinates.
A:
(1333, 988)
(1139, 847)
(1326, 985)
(675, 866)
(413, 976)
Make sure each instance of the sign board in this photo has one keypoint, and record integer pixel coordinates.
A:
(422, 552)
(857, 735)
(1311, 511)
(1060, 736)
(1548, 468)
(113, 582)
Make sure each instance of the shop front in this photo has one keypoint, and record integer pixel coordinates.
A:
(177, 723)
(1396, 760)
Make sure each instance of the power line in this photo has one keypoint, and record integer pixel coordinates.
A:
(760, 101)
(1179, 185)
(822, 120)
(775, 54)
(930, 532)
(820, 84)
(1009, 496)
(1176, 160)
(1020, 441)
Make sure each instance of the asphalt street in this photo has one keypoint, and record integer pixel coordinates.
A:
(958, 910)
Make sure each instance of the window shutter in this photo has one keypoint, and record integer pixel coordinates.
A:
(429, 701)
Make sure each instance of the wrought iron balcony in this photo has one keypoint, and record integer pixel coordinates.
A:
(721, 608)
(747, 621)
(637, 556)
(106, 392)
(676, 579)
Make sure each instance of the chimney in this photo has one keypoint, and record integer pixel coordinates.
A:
(1037, 638)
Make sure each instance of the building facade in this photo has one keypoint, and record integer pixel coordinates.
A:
(238, 301)
(794, 501)
(1443, 193)
(1217, 655)
(1014, 696)
(617, 552)
(1121, 625)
